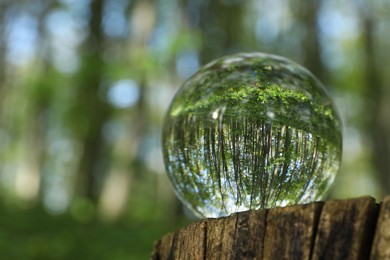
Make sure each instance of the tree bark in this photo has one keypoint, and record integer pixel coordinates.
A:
(336, 229)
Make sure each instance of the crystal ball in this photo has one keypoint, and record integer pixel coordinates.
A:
(251, 131)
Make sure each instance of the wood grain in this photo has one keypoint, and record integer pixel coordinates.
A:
(335, 229)
(290, 231)
(381, 246)
(346, 229)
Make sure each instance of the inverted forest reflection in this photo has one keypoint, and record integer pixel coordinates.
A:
(224, 172)
(251, 131)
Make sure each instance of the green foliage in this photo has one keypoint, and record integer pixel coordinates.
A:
(33, 234)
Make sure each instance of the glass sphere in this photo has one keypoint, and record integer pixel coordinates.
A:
(251, 131)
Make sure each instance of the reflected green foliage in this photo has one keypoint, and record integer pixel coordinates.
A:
(251, 131)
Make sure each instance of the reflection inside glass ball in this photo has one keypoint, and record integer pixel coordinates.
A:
(251, 131)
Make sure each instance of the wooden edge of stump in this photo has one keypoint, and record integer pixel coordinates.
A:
(356, 228)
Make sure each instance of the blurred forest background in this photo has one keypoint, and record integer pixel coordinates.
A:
(84, 85)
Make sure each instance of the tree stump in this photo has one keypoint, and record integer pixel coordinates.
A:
(336, 229)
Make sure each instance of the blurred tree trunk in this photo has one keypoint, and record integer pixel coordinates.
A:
(306, 14)
(378, 118)
(90, 108)
(3, 69)
(222, 24)
(143, 12)
(41, 99)
(3, 8)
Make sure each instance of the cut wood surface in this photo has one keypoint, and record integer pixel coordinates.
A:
(336, 229)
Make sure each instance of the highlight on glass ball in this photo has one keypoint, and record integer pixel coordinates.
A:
(251, 131)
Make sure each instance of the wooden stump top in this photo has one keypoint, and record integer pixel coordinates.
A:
(336, 229)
